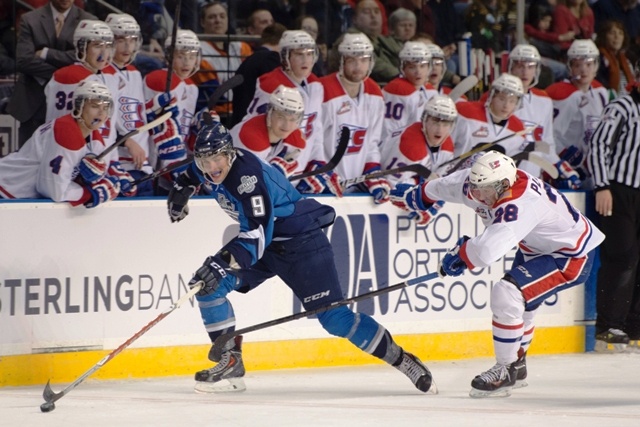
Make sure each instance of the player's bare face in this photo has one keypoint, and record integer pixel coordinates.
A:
(525, 71)
(356, 68)
(503, 105)
(417, 73)
(216, 167)
(126, 47)
(583, 71)
(281, 124)
(98, 54)
(437, 71)
(95, 113)
(301, 62)
(437, 130)
(184, 63)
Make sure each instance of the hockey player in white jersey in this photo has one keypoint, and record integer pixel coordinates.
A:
(353, 100)
(59, 160)
(298, 54)
(555, 243)
(578, 104)
(129, 104)
(406, 95)
(93, 41)
(438, 70)
(483, 122)
(168, 139)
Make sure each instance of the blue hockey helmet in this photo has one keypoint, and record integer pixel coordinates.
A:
(213, 139)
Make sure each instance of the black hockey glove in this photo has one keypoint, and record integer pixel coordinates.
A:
(177, 201)
(211, 273)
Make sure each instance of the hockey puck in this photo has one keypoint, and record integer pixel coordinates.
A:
(47, 406)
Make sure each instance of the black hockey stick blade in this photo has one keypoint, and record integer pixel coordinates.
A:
(343, 143)
(218, 345)
(169, 168)
(174, 36)
(418, 169)
(226, 86)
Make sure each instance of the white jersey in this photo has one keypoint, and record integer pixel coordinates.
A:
(253, 135)
(130, 113)
(363, 117)
(474, 126)
(532, 215)
(404, 104)
(576, 113)
(59, 93)
(46, 166)
(409, 146)
(312, 92)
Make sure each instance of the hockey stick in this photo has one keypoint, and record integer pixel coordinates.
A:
(174, 35)
(462, 157)
(133, 133)
(218, 345)
(226, 86)
(463, 87)
(331, 164)
(167, 169)
(417, 168)
(50, 396)
(543, 164)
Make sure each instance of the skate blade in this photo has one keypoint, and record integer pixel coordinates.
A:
(521, 384)
(480, 394)
(433, 389)
(605, 347)
(231, 385)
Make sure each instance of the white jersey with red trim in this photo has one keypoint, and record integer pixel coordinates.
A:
(576, 113)
(362, 115)
(59, 93)
(130, 113)
(404, 104)
(474, 126)
(409, 146)
(532, 215)
(312, 92)
(46, 166)
(253, 135)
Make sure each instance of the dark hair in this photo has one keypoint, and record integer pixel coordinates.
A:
(605, 27)
(206, 6)
(537, 12)
(272, 34)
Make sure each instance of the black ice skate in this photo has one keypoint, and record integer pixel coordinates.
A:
(496, 382)
(521, 371)
(611, 341)
(417, 372)
(227, 375)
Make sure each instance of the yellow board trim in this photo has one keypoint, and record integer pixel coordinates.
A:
(32, 369)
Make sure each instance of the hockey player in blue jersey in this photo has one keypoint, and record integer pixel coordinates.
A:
(280, 234)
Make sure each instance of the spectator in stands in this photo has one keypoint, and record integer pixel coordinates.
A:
(440, 77)
(339, 14)
(615, 69)
(309, 24)
(265, 58)
(625, 11)
(421, 10)
(402, 24)
(41, 50)
(573, 16)
(258, 21)
(220, 60)
(546, 41)
(491, 24)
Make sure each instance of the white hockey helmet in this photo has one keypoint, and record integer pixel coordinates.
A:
(89, 30)
(526, 53)
(414, 52)
(437, 57)
(296, 39)
(441, 107)
(490, 172)
(355, 45)
(509, 84)
(583, 49)
(125, 25)
(90, 89)
(287, 99)
(186, 41)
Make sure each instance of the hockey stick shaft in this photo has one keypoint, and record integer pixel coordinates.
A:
(219, 343)
(174, 36)
(226, 86)
(50, 396)
(133, 133)
(463, 87)
(343, 143)
(543, 164)
(421, 170)
(167, 169)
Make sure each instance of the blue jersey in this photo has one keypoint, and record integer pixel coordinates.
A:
(266, 205)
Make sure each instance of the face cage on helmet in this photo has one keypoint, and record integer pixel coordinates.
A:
(497, 186)
(596, 59)
(169, 57)
(136, 48)
(271, 108)
(508, 92)
(81, 49)
(371, 63)
(536, 77)
(78, 104)
(404, 62)
(286, 52)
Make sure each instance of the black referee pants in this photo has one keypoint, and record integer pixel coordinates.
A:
(618, 290)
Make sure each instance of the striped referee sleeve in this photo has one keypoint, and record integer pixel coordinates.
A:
(614, 148)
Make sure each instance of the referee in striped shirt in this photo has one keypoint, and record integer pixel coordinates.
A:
(614, 160)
